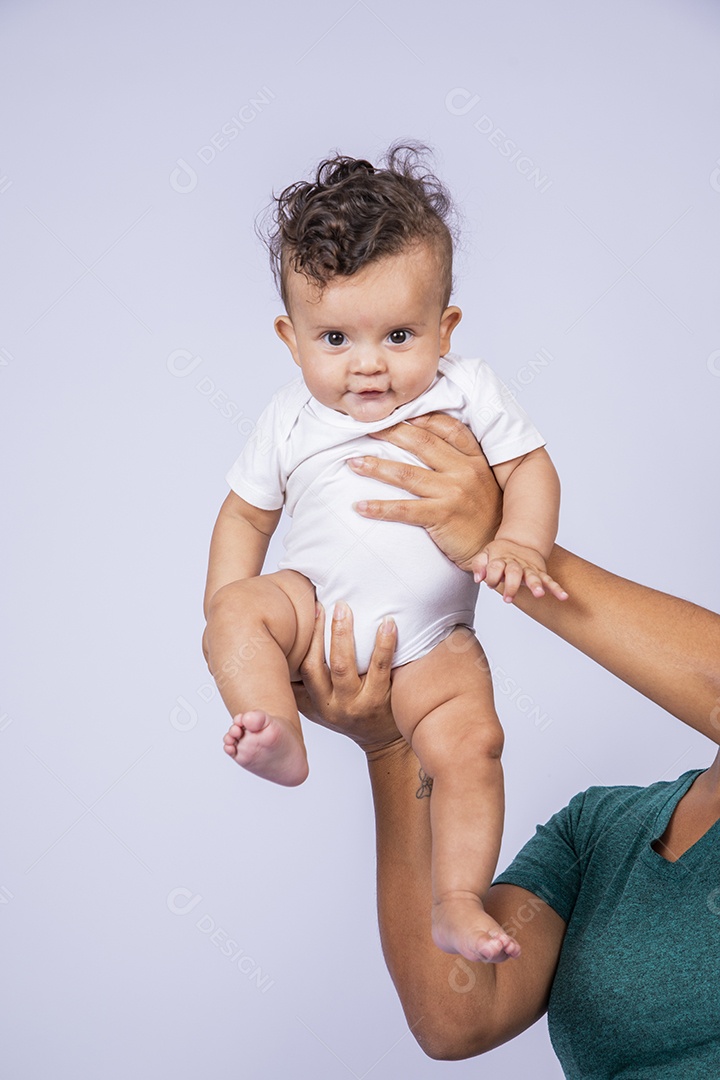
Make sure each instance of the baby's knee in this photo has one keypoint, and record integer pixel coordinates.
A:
(452, 746)
(486, 739)
(276, 607)
(237, 597)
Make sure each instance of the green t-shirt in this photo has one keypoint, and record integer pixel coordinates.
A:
(636, 995)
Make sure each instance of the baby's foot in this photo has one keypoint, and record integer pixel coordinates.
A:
(461, 925)
(268, 746)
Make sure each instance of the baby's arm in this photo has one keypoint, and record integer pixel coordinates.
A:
(239, 544)
(531, 506)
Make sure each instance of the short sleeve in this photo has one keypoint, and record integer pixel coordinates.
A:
(257, 475)
(549, 865)
(500, 424)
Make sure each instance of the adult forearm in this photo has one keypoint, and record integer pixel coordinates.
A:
(666, 648)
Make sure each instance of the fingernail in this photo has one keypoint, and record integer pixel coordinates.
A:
(358, 462)
(476, 578)
(340, 611)
(387, 625)
(360, 506)
(318, 610)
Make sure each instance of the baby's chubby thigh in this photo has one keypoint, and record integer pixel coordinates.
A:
(443, 702)
(300, 591)
(281, 605)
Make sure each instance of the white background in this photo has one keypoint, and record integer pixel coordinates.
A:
(127, 236)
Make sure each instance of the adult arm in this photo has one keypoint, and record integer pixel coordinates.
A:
(455, 1009)
(666, 648)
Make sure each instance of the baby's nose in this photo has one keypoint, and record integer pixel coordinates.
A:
(368, 361)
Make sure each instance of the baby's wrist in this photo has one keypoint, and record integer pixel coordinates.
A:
(526, 543)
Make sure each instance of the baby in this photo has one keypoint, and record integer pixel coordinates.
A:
(363, 259)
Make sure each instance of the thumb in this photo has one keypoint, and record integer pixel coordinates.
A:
(478, 565)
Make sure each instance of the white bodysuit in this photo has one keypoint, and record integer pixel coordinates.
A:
(296, 458)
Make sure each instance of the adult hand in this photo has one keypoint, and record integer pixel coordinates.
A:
(336, 697)
(460, 503)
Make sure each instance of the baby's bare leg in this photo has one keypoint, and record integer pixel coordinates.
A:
(443, 705)
(258, 633)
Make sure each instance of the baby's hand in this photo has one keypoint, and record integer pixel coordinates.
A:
(504, 560)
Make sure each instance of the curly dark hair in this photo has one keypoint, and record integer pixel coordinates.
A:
(353, 213)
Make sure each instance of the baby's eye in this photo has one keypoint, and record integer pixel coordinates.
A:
(334, 337)
(399, 337)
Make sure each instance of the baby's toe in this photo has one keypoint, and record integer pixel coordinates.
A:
(489, 947)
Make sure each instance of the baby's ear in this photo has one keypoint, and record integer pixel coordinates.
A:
(449, 319)
(286, 332)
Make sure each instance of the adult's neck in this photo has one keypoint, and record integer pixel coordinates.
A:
(707, 785)
(711, 778)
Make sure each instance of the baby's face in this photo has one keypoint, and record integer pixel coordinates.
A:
(370, 342)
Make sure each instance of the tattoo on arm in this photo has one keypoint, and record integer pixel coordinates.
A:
(426, 783)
